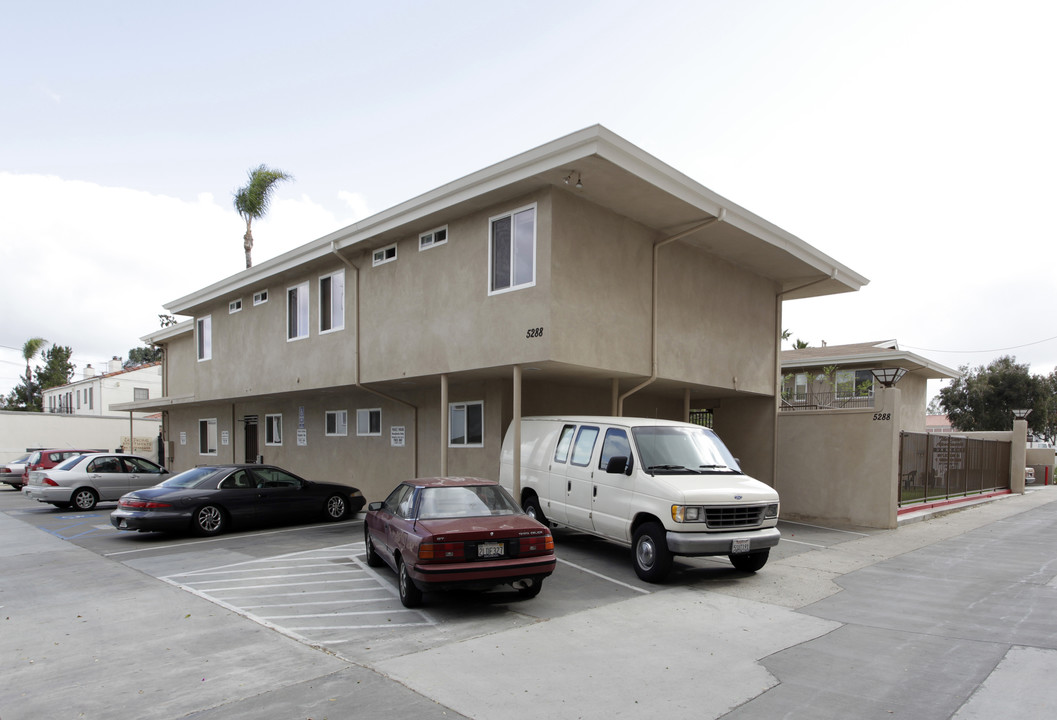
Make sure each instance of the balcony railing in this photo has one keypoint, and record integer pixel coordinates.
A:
(825, 401)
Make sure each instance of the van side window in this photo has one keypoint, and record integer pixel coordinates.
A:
(565, 441)
(616, 445)
(585, 445)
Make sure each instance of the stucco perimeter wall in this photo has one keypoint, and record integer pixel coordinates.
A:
(746, 426)
(1043, 460)
(840, 467)
(20, 431)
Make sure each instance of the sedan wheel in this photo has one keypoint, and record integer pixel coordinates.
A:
(84, 498)
(209, 520)
(410, 595)
(373, 558)
(336, 508)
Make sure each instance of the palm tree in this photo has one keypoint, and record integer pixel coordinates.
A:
(29, 351)
(252, 200)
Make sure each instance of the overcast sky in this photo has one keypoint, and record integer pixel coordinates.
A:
(913, 141)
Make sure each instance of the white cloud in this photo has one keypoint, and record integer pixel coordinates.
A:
(91, 266)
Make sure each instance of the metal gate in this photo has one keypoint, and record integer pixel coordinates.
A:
(935, 466)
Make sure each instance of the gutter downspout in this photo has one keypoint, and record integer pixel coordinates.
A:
(778, 361)
(653, 339)
(356, 328)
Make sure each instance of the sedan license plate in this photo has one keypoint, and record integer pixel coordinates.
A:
(490, 549)
(739, 546)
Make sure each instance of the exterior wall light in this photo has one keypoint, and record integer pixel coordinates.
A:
(1021, 414)
(888, 376)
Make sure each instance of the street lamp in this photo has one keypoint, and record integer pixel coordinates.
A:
(1022, 414)
(888, 376)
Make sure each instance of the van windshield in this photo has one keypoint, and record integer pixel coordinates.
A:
(682, 450)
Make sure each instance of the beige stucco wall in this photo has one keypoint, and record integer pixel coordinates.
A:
(841, 466)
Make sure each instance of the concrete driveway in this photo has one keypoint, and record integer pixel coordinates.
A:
(951, 617)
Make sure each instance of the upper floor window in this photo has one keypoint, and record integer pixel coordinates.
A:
(137, 394)
(854, 383)
(332, 302)
(297, 312)
(204, 328)
(466, 424)
(259, 298)
(512, 250)
(383, 255)
(234, 306)
(435, 237)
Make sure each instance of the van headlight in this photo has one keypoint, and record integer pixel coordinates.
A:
(688, 513)
(771, 511)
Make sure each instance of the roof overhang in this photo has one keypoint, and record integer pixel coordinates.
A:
(864, 357)
(616, 175)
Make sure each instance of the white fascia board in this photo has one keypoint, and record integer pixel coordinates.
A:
(168, 333)
(878, 358)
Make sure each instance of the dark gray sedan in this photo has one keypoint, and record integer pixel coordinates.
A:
(207, 500)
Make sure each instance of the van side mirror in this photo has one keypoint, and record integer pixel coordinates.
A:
(619, 465)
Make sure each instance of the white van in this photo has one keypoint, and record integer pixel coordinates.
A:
(662, 487)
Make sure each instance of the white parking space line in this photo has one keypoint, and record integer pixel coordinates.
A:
(316, 596)
(823, 527)
(581, 568)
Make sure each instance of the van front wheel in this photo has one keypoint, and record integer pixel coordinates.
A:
(653, 559)
(750, 562)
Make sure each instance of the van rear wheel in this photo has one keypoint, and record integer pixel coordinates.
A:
(532, 508)
(653, 559)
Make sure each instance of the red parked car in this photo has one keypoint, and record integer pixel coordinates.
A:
(47, 459)
(445, 533)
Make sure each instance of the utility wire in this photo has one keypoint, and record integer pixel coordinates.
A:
(966, 352)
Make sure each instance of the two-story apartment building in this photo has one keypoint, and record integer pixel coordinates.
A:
(95, 392)
(584, 276)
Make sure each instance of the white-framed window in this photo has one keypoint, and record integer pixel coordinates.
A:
(436, 236)
(383, 255)
(273, 429)
(466, 424)
(207, 436)
(512, 250)
(369, 422)
(260, 297)
(297, 312)
(337, 422)
(204, 329)
(137, 395)
(332, 302)
(854, 383)
(234, 306)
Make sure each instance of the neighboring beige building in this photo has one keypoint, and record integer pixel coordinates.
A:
(584, 276)
(839, 430)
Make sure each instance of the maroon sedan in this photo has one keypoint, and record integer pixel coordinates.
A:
(444, 533)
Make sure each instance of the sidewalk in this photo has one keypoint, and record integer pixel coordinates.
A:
(86, 637)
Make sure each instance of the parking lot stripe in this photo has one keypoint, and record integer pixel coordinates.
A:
(581, 568)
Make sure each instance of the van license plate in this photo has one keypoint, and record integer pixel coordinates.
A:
(740, 546)
(490, 550)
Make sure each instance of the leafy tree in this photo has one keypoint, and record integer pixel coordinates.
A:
(800, 344)
(253, 199)
(58, 370)
(143, 356)
(984, 398)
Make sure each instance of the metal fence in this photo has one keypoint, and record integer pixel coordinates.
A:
(824, 401)
(941, 466)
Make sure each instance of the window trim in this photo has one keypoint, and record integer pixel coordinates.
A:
(235, 306)
(360, 413)
(432, 235)
(260, 297)
(340, 430)
(464, 406)
(375, 262)
(492, 290)
(204, 328)
(302, 332)
(211, 452)
(269, 419)
(340, 304)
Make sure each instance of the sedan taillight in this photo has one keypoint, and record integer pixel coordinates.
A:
(137, 504)
(537, 545)
(441, 552)
(48, 481)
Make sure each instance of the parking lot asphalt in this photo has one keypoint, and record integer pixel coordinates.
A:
(955, 616)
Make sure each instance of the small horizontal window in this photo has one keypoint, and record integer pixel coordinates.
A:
(234, 306)
(384, 255)
(439, 236)
(259, 298)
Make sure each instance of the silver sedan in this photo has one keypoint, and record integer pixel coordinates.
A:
(85, 480)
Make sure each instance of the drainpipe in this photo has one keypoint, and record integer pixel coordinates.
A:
(356, 382)
(653, 340)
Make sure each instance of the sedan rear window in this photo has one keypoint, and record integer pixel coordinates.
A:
(68, 464)
(465, 501)
(191, 478)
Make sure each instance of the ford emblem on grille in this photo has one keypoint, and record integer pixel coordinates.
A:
(737, 497)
